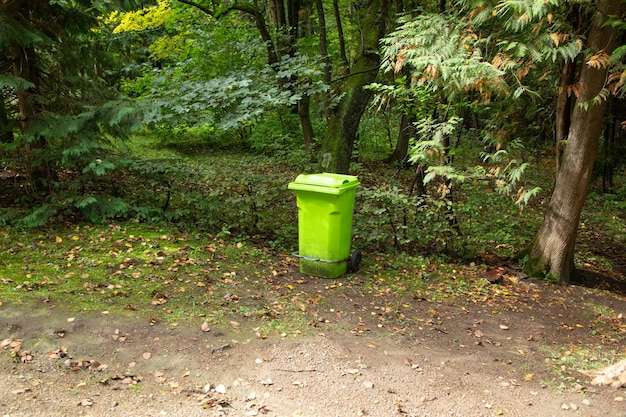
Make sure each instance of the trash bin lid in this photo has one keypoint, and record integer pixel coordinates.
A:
(324, 183)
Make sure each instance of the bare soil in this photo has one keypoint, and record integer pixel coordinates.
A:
(495, 357)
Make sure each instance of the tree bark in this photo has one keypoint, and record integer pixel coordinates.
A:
(304, 114)
(343, 124)
(407, 129)
(552, 250)
(405, 134)
(6, 128)
(607, 148)
(342, 42)
(344, 121)
(321, 16)
(24, 60)
(564, 108)
(293, 21)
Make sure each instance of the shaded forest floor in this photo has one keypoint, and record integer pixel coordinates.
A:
(306, 346)
(134, 320)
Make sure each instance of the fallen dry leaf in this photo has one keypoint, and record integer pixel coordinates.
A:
(86, 402)
(614, 375)
(20, 391)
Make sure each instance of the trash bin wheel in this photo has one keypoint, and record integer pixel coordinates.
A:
(354, 263)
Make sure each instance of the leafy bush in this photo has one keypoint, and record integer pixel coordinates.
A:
(388, 217)
(229, 198)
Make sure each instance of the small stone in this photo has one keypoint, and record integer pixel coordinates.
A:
(368, 384)
(220, 389)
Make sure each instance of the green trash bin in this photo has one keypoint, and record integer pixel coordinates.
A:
(325, 205)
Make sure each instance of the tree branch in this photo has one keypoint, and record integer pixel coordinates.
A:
(272, 57)
(365, 71)
(198, 6)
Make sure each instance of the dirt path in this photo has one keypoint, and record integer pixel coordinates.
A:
(455, 359)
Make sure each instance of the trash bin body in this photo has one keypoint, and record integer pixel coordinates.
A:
(325, 205)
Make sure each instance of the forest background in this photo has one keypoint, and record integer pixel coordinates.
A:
(477, 129)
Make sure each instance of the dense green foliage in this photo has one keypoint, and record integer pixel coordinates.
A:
(243, 194)
(187, 115)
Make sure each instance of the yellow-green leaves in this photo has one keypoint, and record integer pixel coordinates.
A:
(145, 19)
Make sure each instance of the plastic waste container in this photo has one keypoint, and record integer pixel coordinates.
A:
(325, 205)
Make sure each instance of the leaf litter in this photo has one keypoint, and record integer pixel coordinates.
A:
(513, 312)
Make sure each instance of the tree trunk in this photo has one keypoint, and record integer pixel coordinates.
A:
(407, 129)
(564, 107)
(344, 122)
(6, 128)
(328, 68)
(304, 114)
(25, 67)
(607, 149)
(342, 42)
(406, 133)
(321, 16)
(552, 250)
(293, 22)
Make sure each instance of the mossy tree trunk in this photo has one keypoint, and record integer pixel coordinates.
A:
(344, 120)
(552, 250)
(343, 124)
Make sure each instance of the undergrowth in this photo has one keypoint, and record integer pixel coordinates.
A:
(185, 184)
